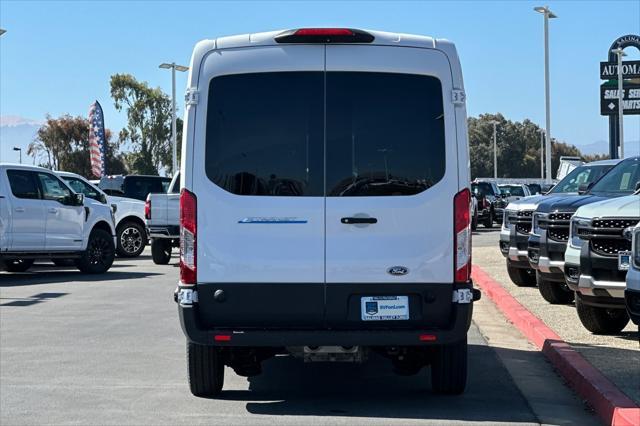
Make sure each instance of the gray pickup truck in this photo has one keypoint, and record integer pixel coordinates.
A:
(162, 220)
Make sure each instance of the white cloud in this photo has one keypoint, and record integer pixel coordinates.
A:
(15, 120)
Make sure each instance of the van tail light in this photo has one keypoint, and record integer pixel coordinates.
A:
(462, 236)
(147, 208)
(188, 238)
(324, 35)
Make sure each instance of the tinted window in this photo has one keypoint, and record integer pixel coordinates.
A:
(483, 189)
(53, 188)
(578, 176)
(385, 134)
(265, 133)
(514, 190)
(177, 182)
(23, 184)
(140, 187)
(82, 187)
(622, 179)
(165, 185)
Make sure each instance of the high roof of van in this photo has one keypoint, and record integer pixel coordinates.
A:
(380, 38)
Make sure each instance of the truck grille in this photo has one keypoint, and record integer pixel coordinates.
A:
(605, 235)
(558, 226)
(523, 221)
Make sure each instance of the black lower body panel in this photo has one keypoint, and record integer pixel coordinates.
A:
(295, 314)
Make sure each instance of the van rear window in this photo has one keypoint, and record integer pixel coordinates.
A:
(268, 133)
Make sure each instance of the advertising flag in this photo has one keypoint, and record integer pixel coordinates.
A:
(97, 140)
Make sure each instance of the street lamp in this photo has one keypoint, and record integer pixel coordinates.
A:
(620, 53)
(173, 67)
(541, 153)
(15, 148)
(495, 148)
(547, 15)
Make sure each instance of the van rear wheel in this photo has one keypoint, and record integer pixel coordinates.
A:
(449, 368)
(205, 369)
(160, 251)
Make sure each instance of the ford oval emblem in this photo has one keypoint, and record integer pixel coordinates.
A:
(398, 270)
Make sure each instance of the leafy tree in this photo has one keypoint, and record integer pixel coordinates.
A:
(63, 144)
(148, 129)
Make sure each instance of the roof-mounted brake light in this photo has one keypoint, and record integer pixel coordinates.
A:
(324, 35)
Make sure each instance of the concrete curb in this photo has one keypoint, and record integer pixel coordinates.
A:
(609, 402)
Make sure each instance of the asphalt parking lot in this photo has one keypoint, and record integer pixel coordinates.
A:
(78, 349)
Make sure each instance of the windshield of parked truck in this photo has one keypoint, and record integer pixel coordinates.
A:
(586, 174)
(621, 180)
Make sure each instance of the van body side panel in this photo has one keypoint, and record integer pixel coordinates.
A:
(412, 231)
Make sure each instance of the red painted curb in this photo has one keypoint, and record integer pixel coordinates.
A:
(609, 402)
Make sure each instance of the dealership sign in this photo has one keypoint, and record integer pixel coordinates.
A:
(609, 70)
(630, 100)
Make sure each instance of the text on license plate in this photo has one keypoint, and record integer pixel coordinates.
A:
(384, 308)
(624, 260)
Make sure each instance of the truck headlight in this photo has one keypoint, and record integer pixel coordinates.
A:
(507, 216)
(537, 218)
(574, 238)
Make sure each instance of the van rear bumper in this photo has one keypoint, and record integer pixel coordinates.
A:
(394, 333)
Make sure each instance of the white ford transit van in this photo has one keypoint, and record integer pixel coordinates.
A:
(325, 204)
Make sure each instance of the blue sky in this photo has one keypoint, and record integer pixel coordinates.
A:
(57, 57)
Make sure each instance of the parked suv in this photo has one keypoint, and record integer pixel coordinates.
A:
(42, 218)
(307, 208)
(632, 291)
(491, 203)
(129, 194)
(516, 226)
(551, 220)
(597, 259)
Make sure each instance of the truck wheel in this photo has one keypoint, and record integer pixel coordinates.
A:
(449, 368)
(206, 370)
(488, 222)
(160, 251)
(553, 292)
(99, 255)
(131, 238)
(18, 265)
(520, 276)
(601, 320)
(474, 222)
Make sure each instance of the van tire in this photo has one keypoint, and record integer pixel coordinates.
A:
(205, 370)
(131, 238)
(160, 251)
(601, 320)
(488, 222)
(18, 265)
(449, 368)
(520, 276)
(554, 292)
(99, 255)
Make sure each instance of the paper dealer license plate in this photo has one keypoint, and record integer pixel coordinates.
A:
(624, 260)
(385, 308)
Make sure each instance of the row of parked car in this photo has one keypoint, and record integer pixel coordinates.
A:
(489, 200)
(66, 218)
(581, 241)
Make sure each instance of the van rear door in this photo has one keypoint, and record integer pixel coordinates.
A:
(392, 168)
(258, 176)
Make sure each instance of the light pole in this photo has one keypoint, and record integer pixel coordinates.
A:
(173, 67)
(495, 148)
(15, 148)
(620, 53)
(547, 15)
(541, 153)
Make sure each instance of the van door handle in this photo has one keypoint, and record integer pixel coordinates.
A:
(19, 209)
(356, 220)
(53, 210)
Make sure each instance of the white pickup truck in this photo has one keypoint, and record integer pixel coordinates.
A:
(41, 217)
(162, 219)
